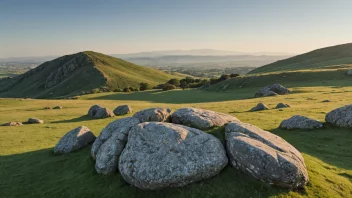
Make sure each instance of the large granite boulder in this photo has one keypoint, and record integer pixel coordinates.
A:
(154, 115)
(159, 155)
(272, 90)
(201, 118)
(300, 122)
(123, 109)
(341, 117)
(35, 121)
(265, 156)
(12, 124)
(260, 107)
(97, 111)
(108, 146)
(74, 140)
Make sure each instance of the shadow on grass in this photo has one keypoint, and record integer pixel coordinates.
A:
(331, 145)
(178, 96)
(78, 119)
(42, 174)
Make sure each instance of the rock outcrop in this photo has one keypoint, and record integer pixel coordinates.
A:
(300, 122)
(200, 118)
(154, 115)
(265, 156)
(260, 107)
(74, 140)
(272, 90)
(123, 109)
(341, 117)
(159, 155)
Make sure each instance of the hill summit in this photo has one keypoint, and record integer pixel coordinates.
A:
(329, 57)
(77, 73)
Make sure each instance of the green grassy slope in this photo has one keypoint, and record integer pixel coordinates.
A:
(29, 168)
(320, 58)
(95, 70)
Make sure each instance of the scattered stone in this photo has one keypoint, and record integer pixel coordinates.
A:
(12, 124)
(265, 156)
(349, 72)
(47, 107)
(159, 155)
(74, 140)
(282, 105)
(326, 101)
(300, 122)
(123, 109)
(341, 117)
(35, 121)
(272, 90)
(121, 127)
(57, 107)
(200, 118)
(154, 115)
(96, 111)
(260, 107)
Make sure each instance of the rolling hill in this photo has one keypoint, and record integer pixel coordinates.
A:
(77, 73)
(334, 56)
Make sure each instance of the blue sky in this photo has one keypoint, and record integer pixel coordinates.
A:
(43, 27)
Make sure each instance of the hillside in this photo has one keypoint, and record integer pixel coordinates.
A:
(338, 55)
(77, 73)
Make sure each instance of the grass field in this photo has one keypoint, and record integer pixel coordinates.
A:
(29, 168)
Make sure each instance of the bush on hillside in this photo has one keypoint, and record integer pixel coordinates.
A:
(174, 82)
(118, 90)
(96, 90)
(168, 87)
(144, 86)
(126, 89)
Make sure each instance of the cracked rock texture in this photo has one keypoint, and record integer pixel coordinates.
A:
(159, 155)
(154, 115)
(74, 140)
(300, 122)
(200, 118)
(265, 156)
(123, 109)
(272, 90)
(341, 117)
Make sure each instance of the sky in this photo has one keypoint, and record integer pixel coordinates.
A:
(44, 27)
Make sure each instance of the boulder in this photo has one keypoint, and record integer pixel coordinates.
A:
(272, 90)
(349, 72)
(123, 109)
(159, 155)
(154, 115)
(97, 111)
(200, 118)
(47, 107)
(74, 140)
(12, 124)
(265, 156)
(35, 121)
(57, 107)
(326, 101)
(300, 122)
(120, 127)
(341, 117)
(260, 107)
(282, 105)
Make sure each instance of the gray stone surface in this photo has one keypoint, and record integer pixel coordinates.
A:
(154, 115)
(282, 105)
(74, 140)
(35, 121)
(58, 107)
(123, 109)
(341, 117)
(300, 122)
(201, 118)
(265, 156)
(12, 124)
(349, 72)
(120, 127)
(272, 90)
(97, 111)
(260, 107)
(159, 155)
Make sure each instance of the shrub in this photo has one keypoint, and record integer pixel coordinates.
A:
(169, 87)
(144, 86)
(126, 89)
(234, 75)
(136, 89)
(131, 88)
(174, 82)
(118, 90)
(93, 91)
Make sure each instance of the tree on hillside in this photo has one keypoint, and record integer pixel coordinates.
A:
(174, 82)
(144, 86)
(168, 87)
(126, 89)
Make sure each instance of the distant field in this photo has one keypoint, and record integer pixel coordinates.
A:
(29, 168)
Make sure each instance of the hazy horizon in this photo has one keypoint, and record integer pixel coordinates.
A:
(42, 28)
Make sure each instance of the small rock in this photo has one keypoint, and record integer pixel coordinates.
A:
(326, 101)
(272, 90)
(74, 140)
(47, 107)
(12, 124)
(341, 117)
(57, 107)
(35, 121)
(260, 107)
(300, 122)
(123, 109)
(282, 105)
(154, 115)
(349, 72)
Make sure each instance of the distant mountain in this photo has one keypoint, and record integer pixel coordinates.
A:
(334, 56)
(73, 74)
